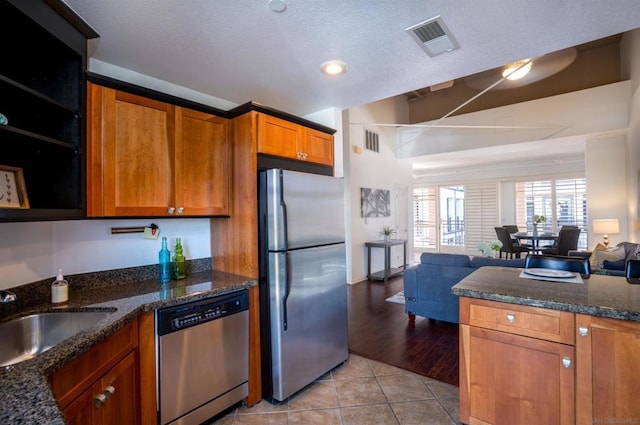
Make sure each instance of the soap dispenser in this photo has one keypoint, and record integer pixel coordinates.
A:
(59, 289)
(179, 268)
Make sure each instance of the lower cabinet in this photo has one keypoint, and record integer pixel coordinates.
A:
(111, 400)
(517, 364)
(101, 386)
(528, 365)
(608, 375)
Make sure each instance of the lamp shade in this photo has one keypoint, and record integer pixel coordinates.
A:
(606, 226)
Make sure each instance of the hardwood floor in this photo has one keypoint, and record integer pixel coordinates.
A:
(379, 330)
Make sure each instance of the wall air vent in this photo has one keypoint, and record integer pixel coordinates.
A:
(433, 36)
(371, 141)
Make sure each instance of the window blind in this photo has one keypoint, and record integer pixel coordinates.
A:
(481, 213)
(424, 217)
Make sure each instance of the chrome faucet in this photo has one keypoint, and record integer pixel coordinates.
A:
(7, 296)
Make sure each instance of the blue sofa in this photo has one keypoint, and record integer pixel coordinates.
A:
(427, 286)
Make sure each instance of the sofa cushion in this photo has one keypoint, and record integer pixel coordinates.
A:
(614, 265)
(486, 261)
(458, 260)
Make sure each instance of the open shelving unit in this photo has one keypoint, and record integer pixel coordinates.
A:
(43, 97)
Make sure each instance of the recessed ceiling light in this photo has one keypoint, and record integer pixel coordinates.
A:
(517, 70)
(334, 67)
(277, 5)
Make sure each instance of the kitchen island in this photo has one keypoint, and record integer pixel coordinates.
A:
(534, 351)
(26, 395)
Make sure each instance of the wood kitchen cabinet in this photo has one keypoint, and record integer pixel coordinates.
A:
(290, 140)
(151, 158)
(101, 386)
(111, 400)
(608, 377)
(517, 364)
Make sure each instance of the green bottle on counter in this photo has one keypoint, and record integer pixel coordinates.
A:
(179, 268)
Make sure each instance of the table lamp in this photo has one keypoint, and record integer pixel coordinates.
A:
(606, 226)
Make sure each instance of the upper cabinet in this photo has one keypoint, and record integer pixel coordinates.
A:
(290, 140)
(42, 96)
(148, 158)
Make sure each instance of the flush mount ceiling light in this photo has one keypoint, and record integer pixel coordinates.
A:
(334, 67)
(517, 70)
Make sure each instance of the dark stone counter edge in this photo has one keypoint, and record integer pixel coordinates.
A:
(25, 393)
(606, 312)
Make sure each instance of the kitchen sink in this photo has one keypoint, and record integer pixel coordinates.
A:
(25, 337)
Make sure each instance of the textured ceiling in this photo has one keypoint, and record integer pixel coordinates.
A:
(241, 50)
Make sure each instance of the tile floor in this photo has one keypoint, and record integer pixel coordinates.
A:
(359, 392)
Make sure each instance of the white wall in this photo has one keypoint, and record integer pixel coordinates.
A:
(373, 170)
(631, 49)
(35, 251)
(606, 184)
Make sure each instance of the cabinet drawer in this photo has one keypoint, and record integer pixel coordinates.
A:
(550, 325)
(72, 379)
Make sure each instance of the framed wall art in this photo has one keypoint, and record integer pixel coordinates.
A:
(13, 192)
(375, 202)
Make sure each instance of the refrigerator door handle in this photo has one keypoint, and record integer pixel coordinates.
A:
(287, 290)
(283, 215)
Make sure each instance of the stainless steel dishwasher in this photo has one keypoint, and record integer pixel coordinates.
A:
(202, 357)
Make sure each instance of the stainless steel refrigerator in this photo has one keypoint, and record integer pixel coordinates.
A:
(302, 279)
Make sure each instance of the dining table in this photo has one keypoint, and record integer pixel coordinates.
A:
(535, 238)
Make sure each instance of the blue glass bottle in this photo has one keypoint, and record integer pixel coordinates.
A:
(164, 262)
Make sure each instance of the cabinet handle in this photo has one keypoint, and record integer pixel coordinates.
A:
(566, 362)
(180, 210)
(583, 331)
(108, 392)
(171, 210)
(99, 400)
(511, 317)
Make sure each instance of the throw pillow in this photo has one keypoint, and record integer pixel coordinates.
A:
(599, 255)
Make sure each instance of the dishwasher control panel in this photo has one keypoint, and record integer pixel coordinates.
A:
(175, 318)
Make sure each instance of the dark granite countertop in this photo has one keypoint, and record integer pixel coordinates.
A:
(599, 295)
(25, 393)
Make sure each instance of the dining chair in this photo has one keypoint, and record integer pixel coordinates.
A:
(508, 246)
(632, 271)
(558, 262)
(513, 228)
(567, 241)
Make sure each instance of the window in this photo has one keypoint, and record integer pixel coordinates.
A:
(452, 215)
(562, 202)
(424, 217)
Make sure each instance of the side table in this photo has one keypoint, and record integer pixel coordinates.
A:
(388, 271)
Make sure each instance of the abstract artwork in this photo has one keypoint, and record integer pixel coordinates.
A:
(375, 202)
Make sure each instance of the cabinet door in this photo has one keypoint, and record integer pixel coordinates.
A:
(123, 405)
(202, 164)
(131, 155)
(608, 378)
(511, 379)
(81, 410)
(318, 147)
(120, 404)
(278, 137)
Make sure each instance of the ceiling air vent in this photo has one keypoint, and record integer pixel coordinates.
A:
(433, 36)
(371, 141)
